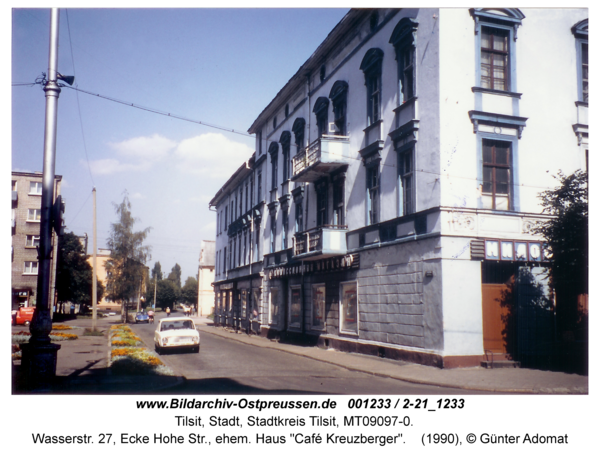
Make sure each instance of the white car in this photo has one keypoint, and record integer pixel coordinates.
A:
(176, 333)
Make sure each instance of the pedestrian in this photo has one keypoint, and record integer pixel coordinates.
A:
(168, 311)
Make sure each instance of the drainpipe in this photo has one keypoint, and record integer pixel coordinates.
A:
(302, 301)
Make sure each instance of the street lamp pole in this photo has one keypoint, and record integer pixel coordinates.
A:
(39, 355)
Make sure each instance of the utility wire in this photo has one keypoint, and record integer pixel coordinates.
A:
(81, 208)
(78, 105)
(156, 111)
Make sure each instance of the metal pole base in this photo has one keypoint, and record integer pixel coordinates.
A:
(38, 365)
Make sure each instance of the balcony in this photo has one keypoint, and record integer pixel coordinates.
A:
(322, 157)
(320, 242)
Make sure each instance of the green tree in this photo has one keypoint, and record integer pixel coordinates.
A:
(157, 271)
(74, 273)
(167, 294)
(125, 269)
(189, 291)
(175, 275)
(567, 237)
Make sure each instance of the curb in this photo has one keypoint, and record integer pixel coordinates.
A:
(542, 391)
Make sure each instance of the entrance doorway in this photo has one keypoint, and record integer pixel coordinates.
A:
(498, 306)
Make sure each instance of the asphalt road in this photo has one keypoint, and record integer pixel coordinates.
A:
(231, 367)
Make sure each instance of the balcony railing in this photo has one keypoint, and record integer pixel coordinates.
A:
(324, 155)
(321, 241)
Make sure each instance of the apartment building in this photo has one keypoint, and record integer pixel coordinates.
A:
(25, 231)
(390, 204)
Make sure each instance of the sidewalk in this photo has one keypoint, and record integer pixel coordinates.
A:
(82, 367)
(509, 380)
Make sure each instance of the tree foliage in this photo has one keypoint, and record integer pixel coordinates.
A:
(74, 273)
(175, 275)
(125, 268)
(189, 291)
(567, 237)
(157, 271)
(167, 294)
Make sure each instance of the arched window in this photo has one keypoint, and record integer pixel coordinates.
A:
(285, 140)
(404, 40)
(371, 66)
(338, 96)
(321, 113)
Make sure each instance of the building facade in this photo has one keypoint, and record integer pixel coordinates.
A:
(390, 205)
(206, 276)
(25, 231)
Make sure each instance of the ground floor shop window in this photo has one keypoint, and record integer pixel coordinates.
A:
(254, 304)
(318, 307)
(274, 306)
(349, 308)
(295, 307)
(244, 297)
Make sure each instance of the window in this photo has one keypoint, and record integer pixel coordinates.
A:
(338, 201)
(406, 182)
(373, 194)
(256, 241)
(240, 259)
(285, 140)
(241, 201)
(495, 37)
(580, 30)
(321, 113)
(255, 315)
(338, 96)
(226, 225)
(247, 207)
(284, 229)
(584, 72)
(298, 129)
(35, 187)
(259, 141)
(295, 307)
(34, 214)
(322, 72)
(348, 308)
(273, 233)
(496, 175)
(245, 247)
(299, 223)
(274, 152)
(321, 190)
(371, 66)
(259, 186)
(30, 268)
(494, 58)
(224, 259)
(32, 241)
(404, 38)
(244, 298)
(318, 307)
(274, 122)
(14, 185)
(274, 306)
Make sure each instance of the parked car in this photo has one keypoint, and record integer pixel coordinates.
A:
(24, 315)
(142, 317)
(172, 333)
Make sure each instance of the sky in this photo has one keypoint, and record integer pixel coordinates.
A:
(215, 66)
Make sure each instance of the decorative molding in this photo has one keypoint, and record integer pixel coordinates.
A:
(499, 120)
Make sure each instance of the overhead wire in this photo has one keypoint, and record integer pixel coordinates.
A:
(78, 105)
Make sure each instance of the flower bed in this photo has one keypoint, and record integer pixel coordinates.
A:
(121, 335)
(128, 357)
(23, 336)
(61, 327)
